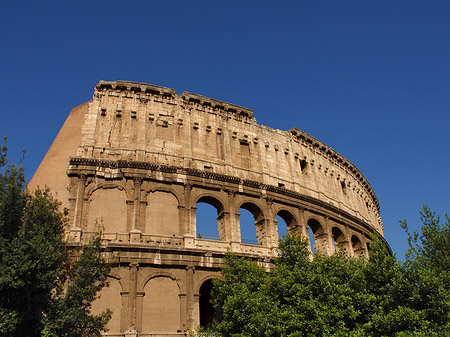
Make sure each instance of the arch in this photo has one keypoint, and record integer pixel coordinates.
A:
(162, 215)
(252, 206)
(163, 189)
(118, 278)
(198, 284)
(91, 188)
(110, 298)
(206, 226)
(339, 240)
(259, 223)
(114, 219)
(358, 248)
(211, 199)
(318, 241)
(158, 274)
(161, 306)
(290, 222)
(206, 308)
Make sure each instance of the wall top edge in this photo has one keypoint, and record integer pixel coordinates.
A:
(133, 86)
(199, 99)
(188, 97)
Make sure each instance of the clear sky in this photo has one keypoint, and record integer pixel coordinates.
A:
(371, 79)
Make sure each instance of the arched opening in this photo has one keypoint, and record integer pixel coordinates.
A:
(282, 227)
(339, 241)
(206, 306)
(285, 223)
(358, 248)
(311, 240)
(319, 237)
(247, 225)
(209, 218)
(251, 218)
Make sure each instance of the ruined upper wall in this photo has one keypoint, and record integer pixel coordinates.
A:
(51, 172)
(148, 123)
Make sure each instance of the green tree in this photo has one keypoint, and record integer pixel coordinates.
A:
(427, 267)
(34, 263)
(338, 295)
(69, 314)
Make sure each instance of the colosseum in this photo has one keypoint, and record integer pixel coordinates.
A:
(142, 160)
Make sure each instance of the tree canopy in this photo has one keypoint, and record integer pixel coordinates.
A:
(41, 291)
(339, 295)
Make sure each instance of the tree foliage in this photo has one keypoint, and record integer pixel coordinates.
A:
(40, 291)
(339, 295)
(69, 315)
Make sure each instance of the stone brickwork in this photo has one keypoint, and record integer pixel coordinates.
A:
(139, 158)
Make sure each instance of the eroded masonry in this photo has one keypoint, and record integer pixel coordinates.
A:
(140, 159)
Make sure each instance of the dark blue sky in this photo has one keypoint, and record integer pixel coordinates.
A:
(371, 79)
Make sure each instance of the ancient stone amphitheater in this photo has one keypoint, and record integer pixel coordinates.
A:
(141, 159)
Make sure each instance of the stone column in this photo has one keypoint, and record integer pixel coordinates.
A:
(135, 233)
(183, 313)
(271, 228)
(196, 310)
(347, 243)
(75, 231)
(330, 246)
(188, 215)
(351, 251)
(131, 331)
(231, 216)
(190, 302)
(304, 226)
(364, 247)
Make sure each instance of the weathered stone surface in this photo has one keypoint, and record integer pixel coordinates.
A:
(139, 158)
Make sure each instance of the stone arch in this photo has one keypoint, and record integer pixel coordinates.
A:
(162, 215)
(172, 191)
(112, 219)
(208, 232)
(198, 284)
(358, 247)
(319, 236)
(158, 274)
(339, 240)
(118, 278)
(110, 298)
(206, 309)
(214, 199)
(92, 187)
(161, 305)
(290, 221)
(259, 222)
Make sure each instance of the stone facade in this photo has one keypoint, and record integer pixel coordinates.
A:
(139, 158)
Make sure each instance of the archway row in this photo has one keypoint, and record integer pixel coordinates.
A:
(334, 240)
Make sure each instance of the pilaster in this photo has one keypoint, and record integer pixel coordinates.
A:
(75, 231)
